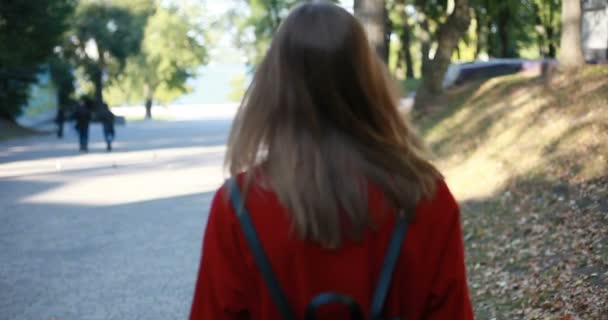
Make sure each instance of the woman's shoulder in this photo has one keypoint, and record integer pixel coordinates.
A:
(248, 187)
(441, 207)
(443, 194)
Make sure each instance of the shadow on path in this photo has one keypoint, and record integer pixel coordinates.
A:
(137, 136)
(128, 261)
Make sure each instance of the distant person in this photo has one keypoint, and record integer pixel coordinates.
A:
(82, 115)
(107, 120)
(59, 120)
(331, 199)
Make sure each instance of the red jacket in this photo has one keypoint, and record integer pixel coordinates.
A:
(429, 281)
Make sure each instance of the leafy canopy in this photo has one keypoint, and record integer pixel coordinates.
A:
(172, 50)
(29, 32)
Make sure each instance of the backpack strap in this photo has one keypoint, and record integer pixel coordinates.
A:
(390, 261)
(333, 298)
(277, 295)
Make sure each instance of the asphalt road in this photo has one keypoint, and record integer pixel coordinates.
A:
(106, 235)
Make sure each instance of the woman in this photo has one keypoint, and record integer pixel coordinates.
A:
(327, 169)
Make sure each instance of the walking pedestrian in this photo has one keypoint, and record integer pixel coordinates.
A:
(107, 120)
(82, 116)
(333, 210)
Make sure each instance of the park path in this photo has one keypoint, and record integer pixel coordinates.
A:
(106, 235)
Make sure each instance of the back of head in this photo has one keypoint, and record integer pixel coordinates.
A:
(320, 119)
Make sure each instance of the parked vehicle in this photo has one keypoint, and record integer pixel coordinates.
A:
(463, 72)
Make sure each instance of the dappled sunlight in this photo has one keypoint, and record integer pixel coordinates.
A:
(19, 149)
(117, 160)
(528, 161)
(590, 88)
(125, 188)
(176, 112)
(151, 161)
(120, 178)
(492, 141)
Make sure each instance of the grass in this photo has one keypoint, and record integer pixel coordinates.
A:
(10, 130)
(409, 85)
(528, 160)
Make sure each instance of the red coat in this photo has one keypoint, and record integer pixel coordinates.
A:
(429, 281)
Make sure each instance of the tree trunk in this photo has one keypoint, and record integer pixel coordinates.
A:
(552, 50)
(479, 33)
(503, 32)
(98, 77)
(373, 16)
(425, 44)
(148, 108)
(148, 93)
(388, 30)
(491, 40)
(425, 37)
(571, 55)
(405, 54)
(448, 36)
(409, 61)
(541, 29)
(273, 11)
(4, 100)
(98, 84)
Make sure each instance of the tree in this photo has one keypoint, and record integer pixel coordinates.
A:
(571, 55)
(429, 15)
(374, 17)
(63, 79)
(256, 24)
(29, 31)
(103, 36)
(504, 28)
(238, 88)
(448, 36)
(172, 49)
(404, 29)
(547, 25)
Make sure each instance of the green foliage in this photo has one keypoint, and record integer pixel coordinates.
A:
(548, 25)
(237, 84)
(14, 91)
(103, 36)
(515, 28)
(509, 25)
(29, 31)
(434, 10)
(63, 79)
(172, 50)
(257, 23)
(506, 28)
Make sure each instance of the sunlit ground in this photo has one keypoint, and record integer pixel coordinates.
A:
(528, 160)
(107, 235)
(496, 140)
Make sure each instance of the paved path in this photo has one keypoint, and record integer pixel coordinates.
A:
(106, 236)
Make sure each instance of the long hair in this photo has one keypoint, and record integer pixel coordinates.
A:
(320, 121)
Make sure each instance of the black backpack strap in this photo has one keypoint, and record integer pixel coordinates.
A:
(259, 256)
(390, 261)
(333, 298)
